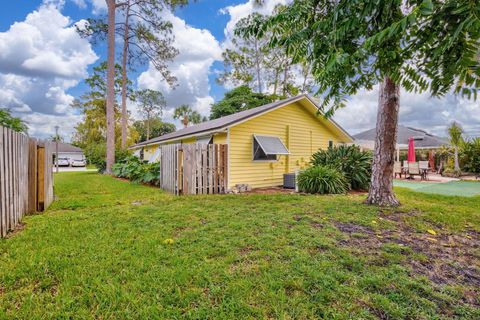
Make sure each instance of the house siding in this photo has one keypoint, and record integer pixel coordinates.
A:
(296, 125)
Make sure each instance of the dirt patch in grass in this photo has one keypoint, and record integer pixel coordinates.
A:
(443, 258)
(271, 190)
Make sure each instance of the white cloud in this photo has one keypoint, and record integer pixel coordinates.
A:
(43, 125)
(416, 110)
(198, 50)
(240, 11)
(40, 58)
(80, 3)
(99, 6)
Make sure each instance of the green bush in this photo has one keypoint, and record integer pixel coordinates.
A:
(471, 156)
(355, 164)
(323, 180)
(451, 172)
(96, 155)
(137, 171)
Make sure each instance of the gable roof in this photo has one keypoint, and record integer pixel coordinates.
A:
(422, 138)
(230, 120)
(66, 147)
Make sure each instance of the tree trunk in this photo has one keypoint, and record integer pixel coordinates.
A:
(455, 157)
(185, 121)
(124, 78)
(110, 112)
(257, 64)
(275, 84)
(148, 128)
(305, 71)
(381, 189)
(285, 79)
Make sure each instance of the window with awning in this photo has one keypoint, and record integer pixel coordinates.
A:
(205, 140)
(268, 148)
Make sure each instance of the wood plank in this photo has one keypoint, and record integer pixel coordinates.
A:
(204, 168)
(3, 229)
(198, 167)
(32, 176)
(225, 168)
(10, 179)
(40, 178)
(210, 168)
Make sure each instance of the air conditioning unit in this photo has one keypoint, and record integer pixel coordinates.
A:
(289, 180)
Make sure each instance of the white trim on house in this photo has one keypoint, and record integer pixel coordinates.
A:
(212, 132)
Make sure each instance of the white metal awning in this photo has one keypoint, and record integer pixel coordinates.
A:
(271, 145)
(155, 157)
(204, 139)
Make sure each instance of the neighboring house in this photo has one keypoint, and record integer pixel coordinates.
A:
(263, 143)
(70, 152)
(422, 139)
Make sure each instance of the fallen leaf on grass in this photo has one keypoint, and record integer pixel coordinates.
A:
(431, 231)
(168, 241)
(432, 239)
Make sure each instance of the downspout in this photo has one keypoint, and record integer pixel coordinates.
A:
(228, 158)
(287, 160)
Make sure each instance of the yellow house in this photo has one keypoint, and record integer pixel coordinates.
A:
(264, 142)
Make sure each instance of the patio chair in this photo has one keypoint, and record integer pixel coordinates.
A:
(423, 165)
(413, 169)
(405, 167)
(397, 169)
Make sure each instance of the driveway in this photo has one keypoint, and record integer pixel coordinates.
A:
(70, 169)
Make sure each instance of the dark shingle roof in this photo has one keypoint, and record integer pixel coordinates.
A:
(226, 121)
(65, 147)
(422, 138)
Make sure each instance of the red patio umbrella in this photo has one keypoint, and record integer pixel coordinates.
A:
(411, 151)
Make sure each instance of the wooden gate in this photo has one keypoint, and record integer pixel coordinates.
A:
(194, 168)
(25, 169)
(169, 168)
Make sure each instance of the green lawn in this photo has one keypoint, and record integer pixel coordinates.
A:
(451, 188)
(100, 252)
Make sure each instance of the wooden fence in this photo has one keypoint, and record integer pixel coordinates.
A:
(26, 181)
(194, 168)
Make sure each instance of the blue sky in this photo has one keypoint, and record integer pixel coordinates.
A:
(202, 14)
(43, 63)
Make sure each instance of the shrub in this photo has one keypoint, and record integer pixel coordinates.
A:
(96, 154)
(451, 172)
(471, 156)
(354, 163)
(323, 180)
(137, 171)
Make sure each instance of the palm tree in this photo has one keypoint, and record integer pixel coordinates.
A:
(455, 133)
(187, 115)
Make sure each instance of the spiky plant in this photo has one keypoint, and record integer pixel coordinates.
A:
(354, 163)
(323, 180)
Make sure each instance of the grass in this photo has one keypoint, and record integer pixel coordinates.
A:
(102, 251)
(451, 188)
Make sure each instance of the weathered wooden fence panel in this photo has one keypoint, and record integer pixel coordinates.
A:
(194, 168)
(168, 169)
(18, 178)
(45, 175)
